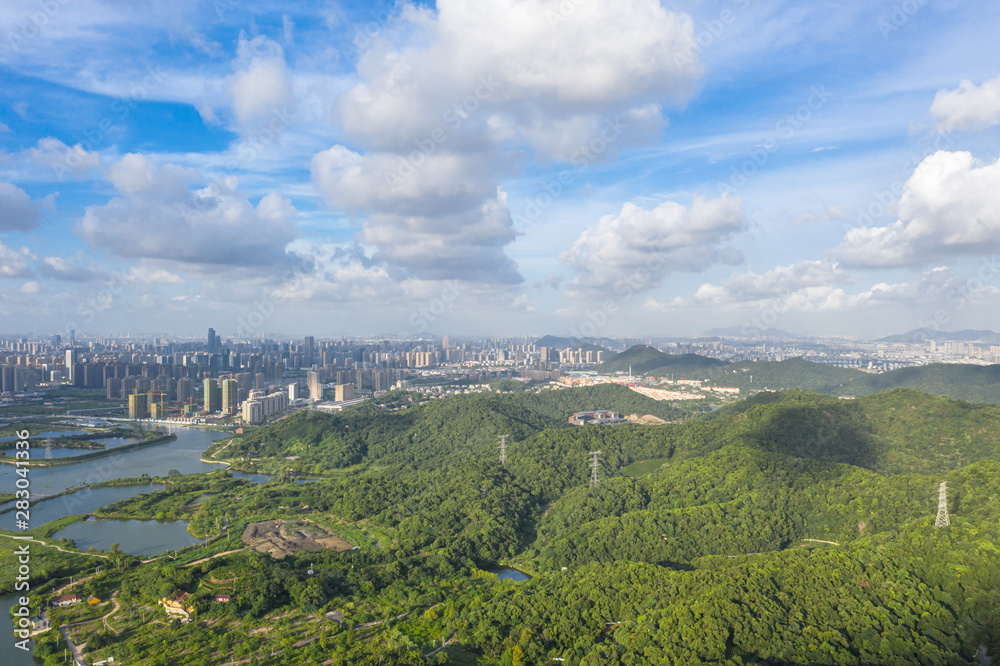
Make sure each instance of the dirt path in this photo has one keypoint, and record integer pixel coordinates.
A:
(113, 611)
(77, 655)
(215, 455)
(52, 545)
(212, 557)
(71, 584)
(451, 639)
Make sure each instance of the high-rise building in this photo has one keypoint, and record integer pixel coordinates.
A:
(185, 390)
(213, 341)
(138, 406)
(70, 362)
(315, 387)
(345, 392)
(309, 351)
(293, 391)
(79, 378)
(93, 375)
(244, 382)
(7, 384)
(230, 396)
(212, 396)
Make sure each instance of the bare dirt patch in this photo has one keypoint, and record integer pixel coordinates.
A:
(279, 538)
(648, 419)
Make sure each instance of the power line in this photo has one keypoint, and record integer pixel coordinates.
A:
(943, 519)
(595, 467)
(503, 448)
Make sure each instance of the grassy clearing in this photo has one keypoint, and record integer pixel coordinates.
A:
(643, 468)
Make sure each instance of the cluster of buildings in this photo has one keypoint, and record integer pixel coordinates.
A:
(596, 417)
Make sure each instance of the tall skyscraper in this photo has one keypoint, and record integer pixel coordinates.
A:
(213, 341)
(310, 351)
(315, 388)
(230, 396)
(213, 397)
(70, 362)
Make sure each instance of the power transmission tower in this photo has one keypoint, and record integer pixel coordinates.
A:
(503, 448)
(595, 467)
(943, 520)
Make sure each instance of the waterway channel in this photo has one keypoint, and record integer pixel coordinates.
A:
(10, 654)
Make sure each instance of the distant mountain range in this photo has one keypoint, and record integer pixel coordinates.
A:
(565, 343)
(925, 335)
(751, 333)
(643, 359)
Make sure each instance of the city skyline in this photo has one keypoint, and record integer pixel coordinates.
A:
(581, 169)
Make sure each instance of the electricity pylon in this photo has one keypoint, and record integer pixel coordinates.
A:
(503, 448)
(595, 467)
(943, 519)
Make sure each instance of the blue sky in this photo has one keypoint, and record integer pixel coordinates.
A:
(498, 167)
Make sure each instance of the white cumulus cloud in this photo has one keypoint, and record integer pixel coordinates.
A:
(950, 207)
(638, 246)
(161, 215)
(968, 107)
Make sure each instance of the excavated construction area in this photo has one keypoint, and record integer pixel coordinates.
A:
(279, 538)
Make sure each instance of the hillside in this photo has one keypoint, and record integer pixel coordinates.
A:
(468, 424)
(643, 359)
(566, 343)
(971, 383)
(788, 528)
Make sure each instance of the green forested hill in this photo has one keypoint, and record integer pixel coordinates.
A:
(790, 528)
(462, 427)
(972, 383)
(643, 359)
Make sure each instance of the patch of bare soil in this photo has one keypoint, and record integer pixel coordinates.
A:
(279, 538)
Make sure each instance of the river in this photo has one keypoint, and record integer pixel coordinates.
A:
(182, 454)
(9, 654)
